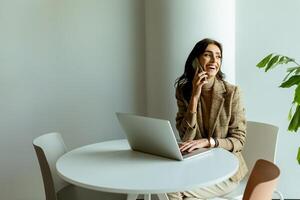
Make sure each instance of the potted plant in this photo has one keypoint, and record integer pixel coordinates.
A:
(291, 80)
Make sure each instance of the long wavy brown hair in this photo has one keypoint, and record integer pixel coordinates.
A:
(184, 82)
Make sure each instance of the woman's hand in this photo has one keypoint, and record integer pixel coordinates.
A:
(198, 81)
(189, 146)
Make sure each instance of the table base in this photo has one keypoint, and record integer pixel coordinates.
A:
(147, 196)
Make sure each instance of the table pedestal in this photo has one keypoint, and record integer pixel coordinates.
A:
(147, 196)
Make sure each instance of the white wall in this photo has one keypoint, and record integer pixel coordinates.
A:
(67, 65)
(64, 66)
(264, 27)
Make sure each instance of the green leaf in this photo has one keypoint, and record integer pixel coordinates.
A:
(295, 123)
(281, 60)
(294, 80)
(272, 63)
(290, 113)
(291, 69)
(298, 156)
(286, 77)
(264, 61)
(297, 94)
(285, 60)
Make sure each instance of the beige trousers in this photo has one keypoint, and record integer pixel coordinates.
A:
(216, 190)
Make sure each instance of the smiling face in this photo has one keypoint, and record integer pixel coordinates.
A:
(211, 59)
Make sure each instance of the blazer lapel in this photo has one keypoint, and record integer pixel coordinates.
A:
(216, 105)
(200, 125)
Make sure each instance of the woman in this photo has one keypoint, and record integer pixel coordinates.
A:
(210, 114)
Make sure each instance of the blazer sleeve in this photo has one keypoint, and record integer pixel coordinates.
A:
(236, 135)
(185, 120)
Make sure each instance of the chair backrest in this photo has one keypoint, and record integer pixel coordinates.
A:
(49, 148)
(261, 143)
(262, 181)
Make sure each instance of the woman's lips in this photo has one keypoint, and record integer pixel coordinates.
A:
(211, 67)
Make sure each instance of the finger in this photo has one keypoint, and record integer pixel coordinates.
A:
(192, 148)
(202, 73)
(203, 82)
(186, 147)
(183, 147)
(180, 147)
(199, 76)
(183, 143)
(186, 143)
(200, 80)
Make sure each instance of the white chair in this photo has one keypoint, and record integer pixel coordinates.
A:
(49, 148)
(261, 143)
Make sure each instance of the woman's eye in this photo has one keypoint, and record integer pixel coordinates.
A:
(208, 55)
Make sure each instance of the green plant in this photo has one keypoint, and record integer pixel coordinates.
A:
(291, 79)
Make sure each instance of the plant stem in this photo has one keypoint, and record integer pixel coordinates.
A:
(296, 63)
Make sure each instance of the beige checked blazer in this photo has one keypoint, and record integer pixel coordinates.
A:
(227, 121)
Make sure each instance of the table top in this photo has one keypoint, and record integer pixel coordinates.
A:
(113, 167)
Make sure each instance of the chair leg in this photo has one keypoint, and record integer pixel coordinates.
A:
(163, 196)
(132, 196)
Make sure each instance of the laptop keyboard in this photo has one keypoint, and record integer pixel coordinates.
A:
(185, 152)
(200, 151)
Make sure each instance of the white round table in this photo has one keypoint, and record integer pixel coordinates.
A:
(113, 167)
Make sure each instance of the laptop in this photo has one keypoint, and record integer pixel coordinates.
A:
(154, 136)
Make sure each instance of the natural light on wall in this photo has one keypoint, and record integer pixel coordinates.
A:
(173, 27)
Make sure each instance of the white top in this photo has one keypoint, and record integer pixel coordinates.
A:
(113, 167)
